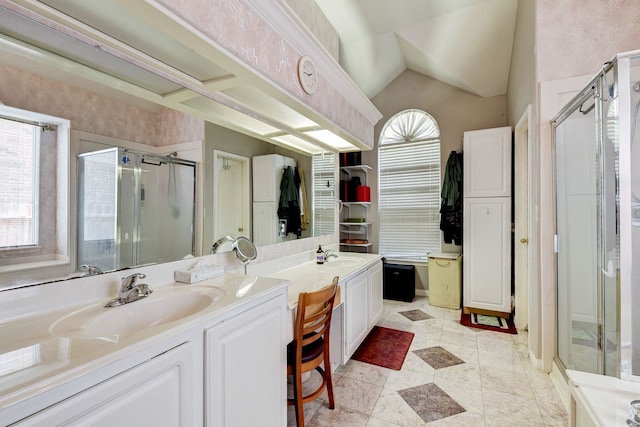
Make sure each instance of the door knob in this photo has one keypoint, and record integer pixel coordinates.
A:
(524, 240)
(240, 229)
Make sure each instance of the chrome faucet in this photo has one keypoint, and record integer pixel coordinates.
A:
(131, 290)
(330, 253)
(91, 270)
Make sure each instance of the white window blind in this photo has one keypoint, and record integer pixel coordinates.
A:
(19, 149)
(323, 193)
(409, 186)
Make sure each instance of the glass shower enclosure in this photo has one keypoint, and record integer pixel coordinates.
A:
(134, 209)
(597, 241)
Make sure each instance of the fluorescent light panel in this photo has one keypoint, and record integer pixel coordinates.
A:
(298, 143)
(329, 138)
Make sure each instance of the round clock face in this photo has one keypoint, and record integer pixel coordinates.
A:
(307, 75)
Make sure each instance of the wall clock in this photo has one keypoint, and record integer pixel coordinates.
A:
(307, 75)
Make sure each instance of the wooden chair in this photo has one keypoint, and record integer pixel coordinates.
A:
(310, 346)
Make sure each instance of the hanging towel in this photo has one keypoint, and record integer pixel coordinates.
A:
(451, 208)
(305, 214)
(289, 205)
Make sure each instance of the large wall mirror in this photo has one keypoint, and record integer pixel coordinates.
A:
(114, 105)
(135, 206)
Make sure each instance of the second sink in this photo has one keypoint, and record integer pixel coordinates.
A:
(344, 262)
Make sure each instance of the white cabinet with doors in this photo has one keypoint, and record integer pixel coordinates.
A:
(158, 392)
(487, 249)
(487, 163)
(267, 175)
(362, 306)
(245, 368)
(487, 221)
(375, 294)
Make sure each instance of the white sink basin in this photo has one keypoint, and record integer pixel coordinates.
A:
(343, 262)
(161, 307)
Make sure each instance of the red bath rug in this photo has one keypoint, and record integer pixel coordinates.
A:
(384, 347)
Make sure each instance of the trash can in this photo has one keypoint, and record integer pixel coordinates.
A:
(445, 279)
(399, 282)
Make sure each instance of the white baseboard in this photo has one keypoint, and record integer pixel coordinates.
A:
(422, 293)
(537, 363)
(561, 385)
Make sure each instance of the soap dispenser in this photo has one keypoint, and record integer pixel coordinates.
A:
(320, 255)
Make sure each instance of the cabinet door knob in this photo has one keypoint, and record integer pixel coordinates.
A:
(524, 240)
(240, 229)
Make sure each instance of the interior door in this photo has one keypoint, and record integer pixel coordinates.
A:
(231, 199)
(521, 220)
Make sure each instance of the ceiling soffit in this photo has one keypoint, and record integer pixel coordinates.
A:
(465, 43)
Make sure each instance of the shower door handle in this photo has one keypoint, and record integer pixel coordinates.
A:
(610, 272)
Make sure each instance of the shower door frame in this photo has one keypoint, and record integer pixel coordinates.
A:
(593, 92)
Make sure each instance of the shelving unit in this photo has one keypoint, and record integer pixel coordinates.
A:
(358, 232)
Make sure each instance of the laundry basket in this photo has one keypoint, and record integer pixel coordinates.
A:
(445, 279)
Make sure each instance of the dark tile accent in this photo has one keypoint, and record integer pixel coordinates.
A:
(438, 357)
(415, 315)
(430, 402)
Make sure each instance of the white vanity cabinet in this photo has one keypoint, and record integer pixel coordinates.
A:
(245, 368)
(375, 294)
(363, 306)
(158, 392)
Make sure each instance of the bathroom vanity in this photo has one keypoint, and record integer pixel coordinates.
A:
(183, 371)
(358, 306)
(186, 355)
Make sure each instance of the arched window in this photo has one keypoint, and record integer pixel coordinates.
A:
(409, 185)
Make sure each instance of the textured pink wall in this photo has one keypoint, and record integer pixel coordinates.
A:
(174, 127)
(241, 32)
(97, 114)
(86, 110)
(575, 37)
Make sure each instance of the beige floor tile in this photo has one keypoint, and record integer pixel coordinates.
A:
(367, 373)
(466, 419)
(337, 417)
(469, 397)
(506, 407)
(356, 395)
(392, 408)
(497, 386)
(515, 383)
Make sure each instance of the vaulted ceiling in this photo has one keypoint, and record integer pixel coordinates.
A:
(465, 43)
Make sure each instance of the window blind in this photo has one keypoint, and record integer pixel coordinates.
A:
(409, 198)
(19, 145)
(323, 193)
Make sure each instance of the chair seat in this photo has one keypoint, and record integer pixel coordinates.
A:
(309, 352)
(310, 346)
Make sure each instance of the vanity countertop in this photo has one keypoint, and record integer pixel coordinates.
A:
(309, 276)
(34, 359)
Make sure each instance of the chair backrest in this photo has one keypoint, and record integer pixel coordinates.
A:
(313, 318)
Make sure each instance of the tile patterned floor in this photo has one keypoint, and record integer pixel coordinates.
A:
(452, 376)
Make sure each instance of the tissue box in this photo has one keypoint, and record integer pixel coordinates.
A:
(198, 273)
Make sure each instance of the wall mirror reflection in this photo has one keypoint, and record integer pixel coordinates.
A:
(99, 214)
(134, 208)
(85, 115)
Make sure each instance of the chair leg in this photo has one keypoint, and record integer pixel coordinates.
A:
(327, 370)
(297, 395)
